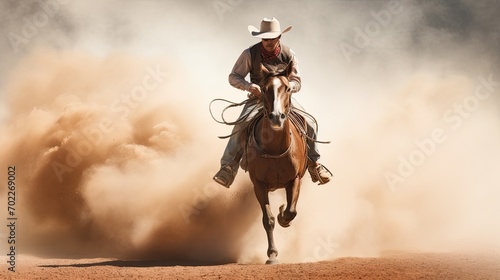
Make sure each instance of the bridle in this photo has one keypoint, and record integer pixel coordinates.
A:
(289, 107)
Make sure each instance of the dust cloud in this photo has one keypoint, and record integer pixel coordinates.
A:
(104, 114)
(108, 165)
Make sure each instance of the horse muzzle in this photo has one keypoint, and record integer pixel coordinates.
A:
(277, 120)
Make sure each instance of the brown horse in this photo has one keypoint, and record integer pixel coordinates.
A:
(279, 153)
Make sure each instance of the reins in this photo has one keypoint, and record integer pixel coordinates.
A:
(263, 153)
(244, 118)
(239, 120)
(313, 119)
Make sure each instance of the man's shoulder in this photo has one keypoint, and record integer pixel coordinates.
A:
(245, 54)
(254, 47)
(253, 50)
(288, 52)
(286, 49)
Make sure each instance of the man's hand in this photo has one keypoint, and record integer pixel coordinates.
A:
(293, 86)
(254, 91)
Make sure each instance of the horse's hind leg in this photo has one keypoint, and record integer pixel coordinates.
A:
(268, 221)
(292, 195)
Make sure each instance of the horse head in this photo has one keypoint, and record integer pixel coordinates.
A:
(276, 95)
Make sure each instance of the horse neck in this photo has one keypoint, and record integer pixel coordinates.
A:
(274, 141)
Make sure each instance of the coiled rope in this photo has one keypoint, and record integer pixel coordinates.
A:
(244, 118)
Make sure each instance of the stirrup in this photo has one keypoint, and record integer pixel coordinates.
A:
(225, 176)
(315, 172)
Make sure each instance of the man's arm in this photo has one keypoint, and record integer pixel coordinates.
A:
(240, 70)
(294, 78)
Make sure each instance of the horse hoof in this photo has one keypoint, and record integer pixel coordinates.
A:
(281, 220)
(272, 261)
(282, 223)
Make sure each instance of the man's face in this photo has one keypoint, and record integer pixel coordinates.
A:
(270, 44)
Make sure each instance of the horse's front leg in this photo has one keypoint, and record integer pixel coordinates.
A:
(268, 221)
(292, 195)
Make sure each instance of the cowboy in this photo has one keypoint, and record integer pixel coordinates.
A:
(269, 52)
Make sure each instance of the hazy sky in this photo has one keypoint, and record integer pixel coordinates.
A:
(407, 91)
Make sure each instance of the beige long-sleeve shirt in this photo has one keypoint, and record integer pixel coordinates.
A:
(243, 66)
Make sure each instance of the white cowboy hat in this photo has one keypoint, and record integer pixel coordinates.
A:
(269, 29)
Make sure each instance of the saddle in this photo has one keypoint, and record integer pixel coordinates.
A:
(247, 139)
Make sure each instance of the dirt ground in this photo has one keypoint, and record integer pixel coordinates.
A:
(391, 266)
